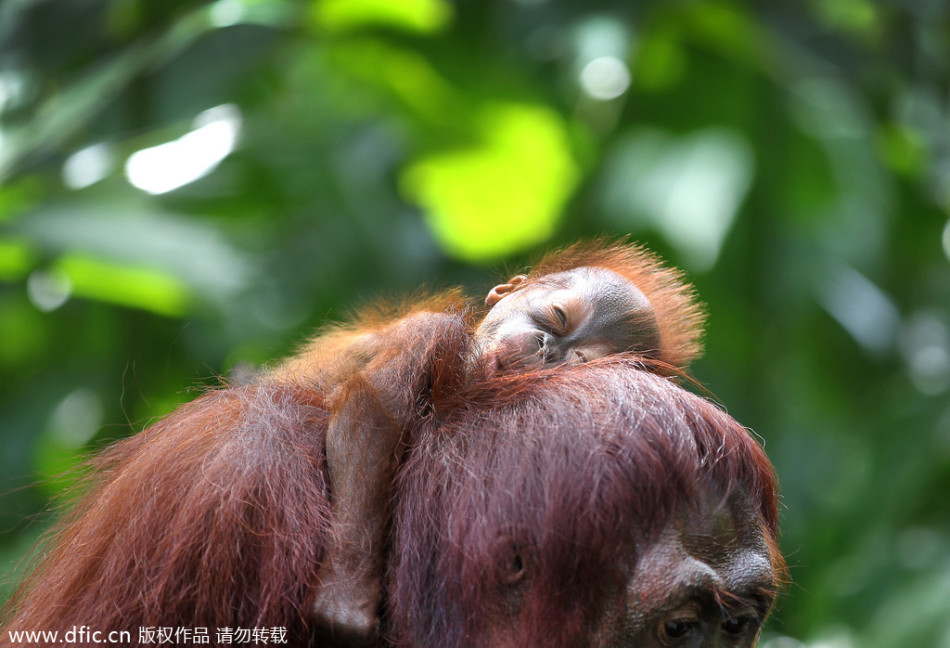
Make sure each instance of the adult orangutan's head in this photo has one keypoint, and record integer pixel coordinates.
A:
(595, 505)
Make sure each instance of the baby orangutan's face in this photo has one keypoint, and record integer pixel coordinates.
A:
(566, 317)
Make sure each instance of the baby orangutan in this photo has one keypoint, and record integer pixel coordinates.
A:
(579, 304)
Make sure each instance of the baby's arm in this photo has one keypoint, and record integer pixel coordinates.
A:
(374, 411)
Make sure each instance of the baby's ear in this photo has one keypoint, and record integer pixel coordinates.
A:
(497, 293)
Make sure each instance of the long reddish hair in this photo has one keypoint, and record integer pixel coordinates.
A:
(216, 516)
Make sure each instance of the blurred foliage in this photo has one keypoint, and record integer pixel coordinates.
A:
(188, 188)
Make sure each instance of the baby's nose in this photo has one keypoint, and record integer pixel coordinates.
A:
(522, 350)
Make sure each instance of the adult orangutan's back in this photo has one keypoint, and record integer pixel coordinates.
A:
(212, 518)
(558, 508)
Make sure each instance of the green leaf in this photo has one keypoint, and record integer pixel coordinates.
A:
(502, 195)
(420, 16)
(125, 285)
(16, 259)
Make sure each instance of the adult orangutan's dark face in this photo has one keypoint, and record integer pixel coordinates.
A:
(706, 581)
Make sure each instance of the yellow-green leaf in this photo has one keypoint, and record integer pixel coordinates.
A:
(125, 285)
(421, 16)
(502, 195)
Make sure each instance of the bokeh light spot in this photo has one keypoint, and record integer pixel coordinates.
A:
(688, 188)
(225, 13)
(73, 422)
(925, 346)
(168, 166)
(861, 307)
(48, 289)
(88, 166)
(605, 78)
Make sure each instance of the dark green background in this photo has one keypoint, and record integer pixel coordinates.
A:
(793, 157)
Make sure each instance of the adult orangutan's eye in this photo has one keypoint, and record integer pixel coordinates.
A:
(738, 625)
(561, 316)
(514, 560)
(676, 630)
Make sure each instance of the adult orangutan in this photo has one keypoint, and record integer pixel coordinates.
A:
(592, 505)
